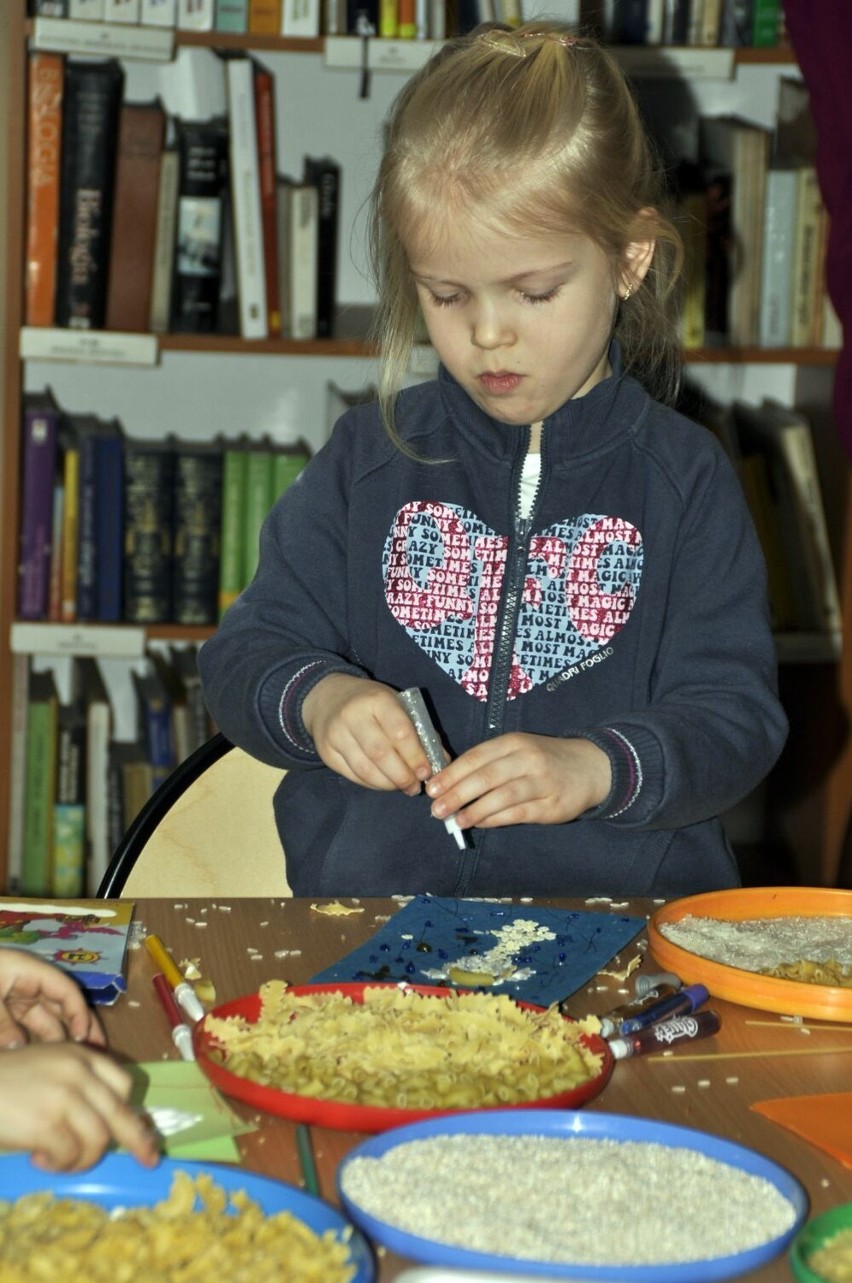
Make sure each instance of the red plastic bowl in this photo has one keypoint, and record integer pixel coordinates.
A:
(345, 1116)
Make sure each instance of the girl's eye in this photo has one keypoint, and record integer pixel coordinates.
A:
(440, 300)
(541, 298)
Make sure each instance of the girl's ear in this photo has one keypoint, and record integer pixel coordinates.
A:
(637, 261)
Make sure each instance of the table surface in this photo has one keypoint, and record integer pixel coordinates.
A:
(709, 1085)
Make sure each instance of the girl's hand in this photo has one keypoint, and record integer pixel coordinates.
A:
(361, 730)
(66, 1104)
(39, 1002)
(521, 779)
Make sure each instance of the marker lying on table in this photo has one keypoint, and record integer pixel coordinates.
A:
(181, 1033)
(678, 1004)
(665, 1032)
(412, 702)
(183, 990)
(613, 1020)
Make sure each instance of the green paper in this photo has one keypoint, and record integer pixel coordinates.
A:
(193, 1119)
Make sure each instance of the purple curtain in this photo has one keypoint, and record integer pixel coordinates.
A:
(820, 32)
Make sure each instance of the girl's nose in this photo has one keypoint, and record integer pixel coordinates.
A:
(489, 330)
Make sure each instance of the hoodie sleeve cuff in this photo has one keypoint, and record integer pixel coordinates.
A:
(627, 775)
(281, 706)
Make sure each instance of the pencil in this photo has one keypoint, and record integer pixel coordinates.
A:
(306, 1158)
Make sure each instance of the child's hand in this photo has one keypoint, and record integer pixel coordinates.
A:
(66, 1103)
(361, 730)
(41, 1003)
(521, 779)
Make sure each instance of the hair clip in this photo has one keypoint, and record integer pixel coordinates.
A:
(496, 39)
(559, 37)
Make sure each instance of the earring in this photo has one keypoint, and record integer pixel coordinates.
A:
(626, 295)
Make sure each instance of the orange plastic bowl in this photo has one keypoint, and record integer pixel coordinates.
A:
(787, 997)
(345, 1116)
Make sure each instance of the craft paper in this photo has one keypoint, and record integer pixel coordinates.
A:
(192, 1118)
(89, 941)
(825, 1121)
(534, 954)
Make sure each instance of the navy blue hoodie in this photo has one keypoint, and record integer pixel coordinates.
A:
(629, 608)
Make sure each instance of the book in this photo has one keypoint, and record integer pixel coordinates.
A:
(40, 782)
(89, 688)
(765, 23)
(232, 539)
(741, 148)
(154, 721)
(121, 11)
(258, 496)
(141, 137)
(202, 193)
(39, 435)
(49, 8)
(46, 73)
(298, 222)
(776, 277)
(19, 685)
(91, 102)
(148, 530)
(264, 17)
(184, 663)
(264, 111)
(54, 574)
(158, 13)
(88, 941)
(195, 15)
(324, 173)
(100, 518)
(300, 19)
(128, 787)
(705, 20)
(231, 15)
(245, 197)
(288, 461)
(69, 810)
(197, 526)
(162, 271)
(70, 523)
(334, 17)
(807, 259)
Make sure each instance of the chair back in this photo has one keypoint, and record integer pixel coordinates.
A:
(208, 830)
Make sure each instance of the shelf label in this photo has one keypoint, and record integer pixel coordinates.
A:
(382, 54)
(107, 641)
(94, 347)
(684, 62)
(111, 39)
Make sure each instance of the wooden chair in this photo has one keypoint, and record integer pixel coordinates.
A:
(209, 829)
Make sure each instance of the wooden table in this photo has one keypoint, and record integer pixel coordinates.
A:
(708, 1085)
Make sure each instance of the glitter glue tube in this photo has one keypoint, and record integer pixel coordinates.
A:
(613, 1020)
(412, 702)
(664, 1033)
(679, 1004)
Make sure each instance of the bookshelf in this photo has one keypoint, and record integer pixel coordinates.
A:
(181, 389)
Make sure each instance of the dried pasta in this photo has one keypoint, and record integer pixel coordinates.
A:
(405, 1050)
(198, 1233)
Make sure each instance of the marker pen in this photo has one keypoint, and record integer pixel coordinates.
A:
(413, 703)
(658, 1036)
(679, 1004)
(613, 1020)
(181, 1032)
(183, 990)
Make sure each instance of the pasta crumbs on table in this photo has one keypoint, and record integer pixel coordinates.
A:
(334, 909)
(814, 949)
(570, 1201)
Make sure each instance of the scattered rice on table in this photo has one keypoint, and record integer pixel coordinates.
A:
(570, 1201)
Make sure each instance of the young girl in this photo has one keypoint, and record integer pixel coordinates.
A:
(565, 567)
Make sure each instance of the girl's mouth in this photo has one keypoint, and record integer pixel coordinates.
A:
(501, 383)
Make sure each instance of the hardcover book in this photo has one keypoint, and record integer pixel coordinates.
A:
(264, 18)
(92, 99)
(148, 531)
(154, 721)
(69, 811)
(99, 532)
(40, 783)
(197, 528)
(231, 15)
(324, 173)
(158, 13)
(264, 112)
(141, 136)
(245, 197)
(44, 153)
(195, 15)
(232, 555)
(87, 940)
(162, 271)
(298, 240)
(38, 469)
(779, 237)
(202, 193)
(88, 686)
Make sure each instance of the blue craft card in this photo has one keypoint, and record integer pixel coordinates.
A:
(536, 955)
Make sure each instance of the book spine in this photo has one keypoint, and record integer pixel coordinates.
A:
(202, 189)
(86, 10)
(40, 785)
(233, 526)
(231, 15)
(54, 584)
(70, 529)
(258, 500)
(806, 255)
(162, 271)
(87, 529)
(766, 19)
(44, 152)
(776, 276)
(264, 104)
(90, 128)
(155, 725)
(195, 15)
(121, 11)
(147, 565)
(288, 463)
(300, 19)
(19, 688)
(158, 13)
(304, 260)
(799, 452)
(109, 476)
(198, 500)
(264, 17)
(334, 17)
(38, 469)
(69, 812)
(49, 8)
(325, 174)
(141, 134)
(245, 198)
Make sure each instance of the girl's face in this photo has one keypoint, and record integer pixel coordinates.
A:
(522, 322)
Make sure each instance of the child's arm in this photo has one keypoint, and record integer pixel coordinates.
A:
(66, 1104)
(41, 1003)
(361, 731)
(522, 779)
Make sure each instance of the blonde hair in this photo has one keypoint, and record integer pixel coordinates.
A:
(532, 128)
